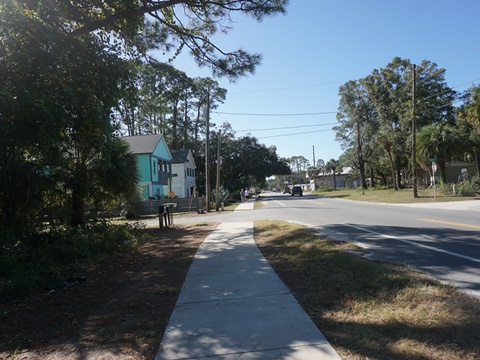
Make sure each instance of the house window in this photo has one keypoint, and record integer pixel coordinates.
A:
(154, 167)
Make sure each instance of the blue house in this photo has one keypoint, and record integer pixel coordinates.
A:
(154, 162)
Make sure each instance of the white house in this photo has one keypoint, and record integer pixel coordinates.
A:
(184, 171)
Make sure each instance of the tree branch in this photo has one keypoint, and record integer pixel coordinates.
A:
(112, 19)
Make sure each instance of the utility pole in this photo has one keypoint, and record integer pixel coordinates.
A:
(414, 133)
(217, 195)
(314, 171)
(207, 144)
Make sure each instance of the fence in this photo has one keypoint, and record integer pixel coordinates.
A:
(183, 205)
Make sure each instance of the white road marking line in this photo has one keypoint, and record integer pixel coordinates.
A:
(416, 244)
(278, 202)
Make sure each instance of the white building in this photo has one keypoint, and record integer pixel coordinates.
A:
(183, 183)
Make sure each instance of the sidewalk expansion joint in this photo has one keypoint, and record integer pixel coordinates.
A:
(287, 348)
(228, 272)
(234, 299)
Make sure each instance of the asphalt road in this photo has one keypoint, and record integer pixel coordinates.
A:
(441, 239)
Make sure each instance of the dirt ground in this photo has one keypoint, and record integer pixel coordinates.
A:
(119, 312)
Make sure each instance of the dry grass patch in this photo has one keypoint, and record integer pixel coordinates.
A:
(370, 309)
(402, 196)
(258, 204)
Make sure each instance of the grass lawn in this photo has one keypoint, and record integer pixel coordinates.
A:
(402, 196)
(369, 309)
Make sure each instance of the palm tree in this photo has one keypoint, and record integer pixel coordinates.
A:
(334, 167)
(439, 141)
(117, 170)
(96, 176)
(321, 166)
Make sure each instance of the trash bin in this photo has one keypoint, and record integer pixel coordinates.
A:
(162, 215)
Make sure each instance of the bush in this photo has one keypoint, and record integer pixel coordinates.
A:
(325, 188)
(476, 180)
(224, 196)
(445, 189)
(467, 188)
(29, 261)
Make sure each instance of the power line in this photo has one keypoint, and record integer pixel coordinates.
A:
(300, 133)
(286, 88)
(299, 114)
(389, 96)
(442, 92)
(286, 127)
(455, 50)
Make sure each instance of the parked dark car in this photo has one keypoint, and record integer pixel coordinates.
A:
(287, 190)
(297, 190)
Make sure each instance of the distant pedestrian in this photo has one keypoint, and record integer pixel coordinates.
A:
(247, 194)
(242, 195)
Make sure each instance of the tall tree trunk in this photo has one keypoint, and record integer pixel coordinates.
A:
(7, 195)
(155, 123)
(443, 172)
(196, 130)
(361, 168)
(174, 134)
(185, 121)
(129, 121)
(398, 178)
(77, 210)
(392, 166)
(361, 161)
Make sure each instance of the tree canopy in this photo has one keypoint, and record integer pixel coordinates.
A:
(244, 161)
(166, 25)
(376, 112)
(74, 74)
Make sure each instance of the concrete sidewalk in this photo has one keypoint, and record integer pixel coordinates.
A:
(246, 205)
(234, 306)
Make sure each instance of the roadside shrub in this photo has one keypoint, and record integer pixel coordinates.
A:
(445, 188)
(224, 196)
(476, 180)
(325, 188)
(467, 188)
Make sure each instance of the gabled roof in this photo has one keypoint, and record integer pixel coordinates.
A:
(180, 156)
(143, 144)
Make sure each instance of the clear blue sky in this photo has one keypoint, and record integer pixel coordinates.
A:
(321, 44)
